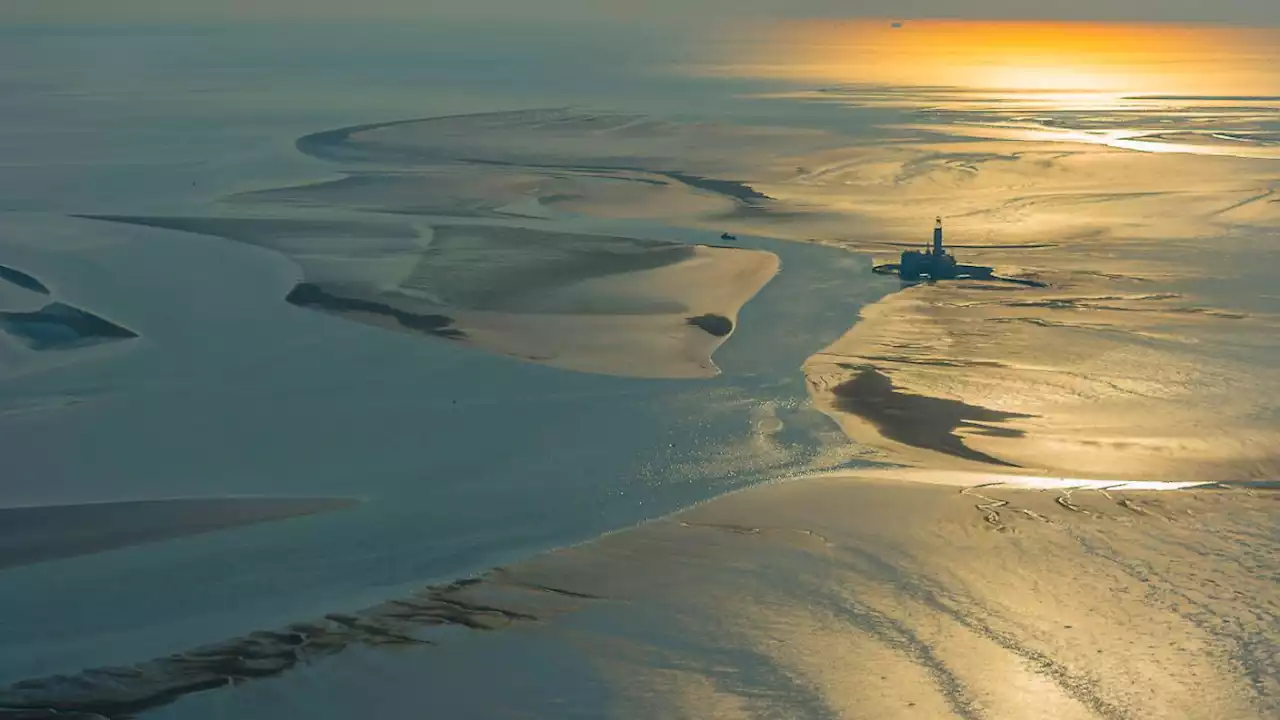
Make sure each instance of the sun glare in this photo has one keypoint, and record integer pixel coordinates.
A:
(1017, 56)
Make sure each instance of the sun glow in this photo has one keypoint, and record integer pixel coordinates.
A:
(1043, 58)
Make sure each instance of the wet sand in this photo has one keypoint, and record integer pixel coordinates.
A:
(875, 593)
(1092, 383)
(888, 599)
(591, 303)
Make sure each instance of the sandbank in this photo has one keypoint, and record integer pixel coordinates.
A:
(49, 532)
(850, 594)
(591, 303)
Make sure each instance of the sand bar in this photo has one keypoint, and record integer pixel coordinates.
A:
(840, 595)
(41, 533)
(611, 305)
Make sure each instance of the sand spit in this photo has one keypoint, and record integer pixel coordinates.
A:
(698, 154)
(845, 595)
(609, 305)
(58, 326)
(49, 532)
(539, 163)
(636, 323)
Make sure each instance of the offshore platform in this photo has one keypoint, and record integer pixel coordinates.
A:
(934, 262)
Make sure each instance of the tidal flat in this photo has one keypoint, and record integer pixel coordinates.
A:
(574, 394)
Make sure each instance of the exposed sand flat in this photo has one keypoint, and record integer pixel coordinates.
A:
(1014, 180)
(565, 138)
(848, 595)
(366, 253)
(1034, 196)
(1014, 191)
(1095, 384)
(884, 600)
(599, 317)
(504, 192)
(611, 305)
(544, 163)
(591, 304)
(37, 534)
(853, 597)
(1129, 364)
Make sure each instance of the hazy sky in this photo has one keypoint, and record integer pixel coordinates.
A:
(1232, 11)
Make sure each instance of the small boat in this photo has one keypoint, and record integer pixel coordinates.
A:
(727, 236)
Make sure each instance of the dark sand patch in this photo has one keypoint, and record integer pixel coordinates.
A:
(57, 326)
(31, 535)
(717, 325)
(919, 420)
(931, 362)
(489, 603)
(735, 189)
(313, 297)
(1108, 303)
(1087, 327)
(22, 280)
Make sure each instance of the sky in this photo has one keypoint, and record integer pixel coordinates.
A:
(1246, 12)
